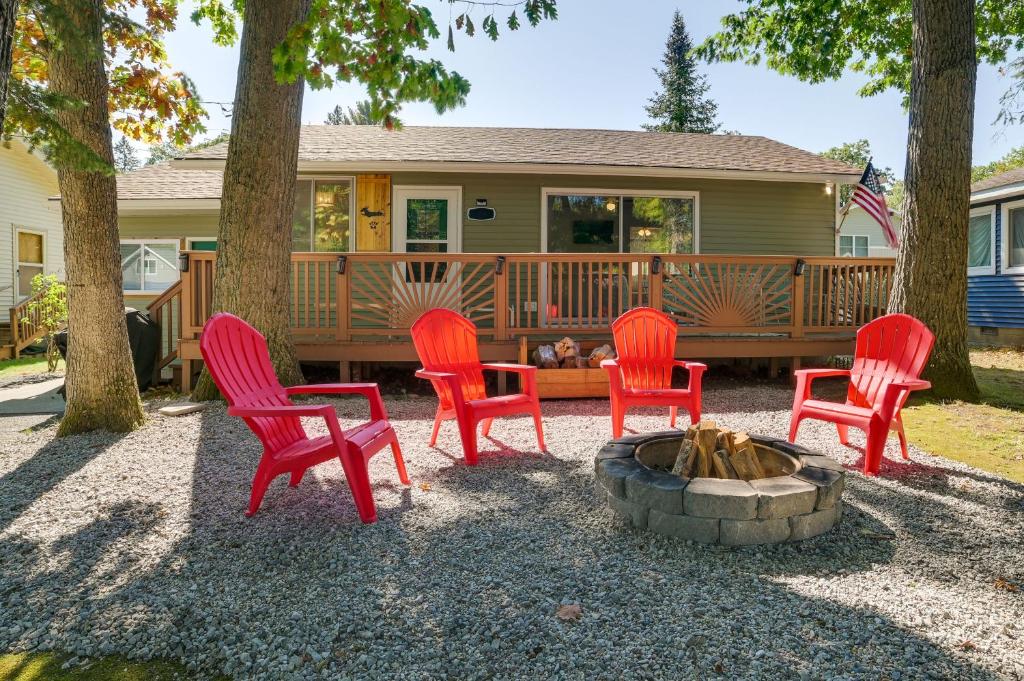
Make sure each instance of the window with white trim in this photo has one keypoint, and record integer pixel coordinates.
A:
(609, 221)
(981, 241)
(1013, 237)
(322, 214)
(854, 245)
(149, 265)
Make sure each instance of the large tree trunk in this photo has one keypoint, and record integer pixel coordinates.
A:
(254, 242)
(931, 269)
(8, 12)
(101, 389)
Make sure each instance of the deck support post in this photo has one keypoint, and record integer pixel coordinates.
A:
(186, 376)
(344, 372)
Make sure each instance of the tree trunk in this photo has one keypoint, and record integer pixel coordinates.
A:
(931, 268)
(254, 242)
(8, 12)
(101, 389)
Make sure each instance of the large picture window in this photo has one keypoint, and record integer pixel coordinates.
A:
(1013, 237)
(322, 215)
(580, 221)
(981, 242)
(149, 266)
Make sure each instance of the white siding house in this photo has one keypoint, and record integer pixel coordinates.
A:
(861, 236)
(31, 234)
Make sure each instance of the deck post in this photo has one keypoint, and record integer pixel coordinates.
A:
(654, 294)
(185, 306)
(500, 299)
(798, 300)
(341, 302)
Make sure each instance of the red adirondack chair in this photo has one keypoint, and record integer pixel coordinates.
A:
(890, 354)
(237, 357)
(447, 346)
(641, 373)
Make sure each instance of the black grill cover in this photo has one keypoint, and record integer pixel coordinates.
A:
(144, 340)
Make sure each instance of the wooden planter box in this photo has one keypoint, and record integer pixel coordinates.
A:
(555, 384)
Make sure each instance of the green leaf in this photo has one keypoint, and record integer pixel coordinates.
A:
(451, 40)
(513, 21)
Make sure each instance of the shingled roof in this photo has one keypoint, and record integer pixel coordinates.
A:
(162, 181)
(1015, 176)
(623, 148)
(370, 144)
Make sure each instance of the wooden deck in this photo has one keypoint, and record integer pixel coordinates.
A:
(358, 307)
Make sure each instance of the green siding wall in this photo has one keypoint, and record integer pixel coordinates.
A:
(181, 226)
(758, 218)
(737, 217)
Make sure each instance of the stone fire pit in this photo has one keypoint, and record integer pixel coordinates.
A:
(802, 501)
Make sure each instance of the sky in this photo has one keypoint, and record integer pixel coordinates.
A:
(593, 68)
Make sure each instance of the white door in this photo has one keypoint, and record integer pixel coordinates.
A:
(30, 259)
(426, 220)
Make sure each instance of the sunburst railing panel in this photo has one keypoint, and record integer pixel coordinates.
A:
(728, 295)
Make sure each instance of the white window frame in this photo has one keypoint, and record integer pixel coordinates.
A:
(398, 235)
(545, 192)
(149, 292)
(867, 248)
(19, 294)
(991, 267)
(312, 207)
(1007, 207)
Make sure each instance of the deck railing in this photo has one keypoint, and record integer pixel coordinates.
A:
(365, 296)
(26, 322)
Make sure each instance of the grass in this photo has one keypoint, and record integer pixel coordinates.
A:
(47, 667)
(988, 435)
(35, 364)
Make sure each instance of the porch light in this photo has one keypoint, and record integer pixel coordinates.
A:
(342, 262)
(644, 233)
(798, 271)
(183, 262)
(828, 188)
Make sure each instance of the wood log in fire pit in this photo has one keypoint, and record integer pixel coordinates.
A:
(708, 451)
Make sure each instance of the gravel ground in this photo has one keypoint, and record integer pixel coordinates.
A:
(137, 545)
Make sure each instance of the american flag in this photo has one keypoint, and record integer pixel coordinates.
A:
(869, 195)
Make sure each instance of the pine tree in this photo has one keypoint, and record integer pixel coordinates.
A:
(683, 104)
(125, 159)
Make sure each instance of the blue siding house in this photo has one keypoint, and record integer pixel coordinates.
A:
(995, 255)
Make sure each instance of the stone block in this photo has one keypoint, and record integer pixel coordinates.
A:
(784, 496)
(634, 513)
(704, 530)
(750, 532)
(614, 450)
(830, 484)
(713, 498)
(612, 473)
(645, 437)
(813, 524)
(819, 461)
(790, 448)
(655, 489)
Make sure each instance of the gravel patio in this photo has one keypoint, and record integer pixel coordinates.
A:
(137, 545)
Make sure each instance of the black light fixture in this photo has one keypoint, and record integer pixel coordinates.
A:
(499, 266)
(798, 271)
(656, 265)
(342, 262)
(183, 262)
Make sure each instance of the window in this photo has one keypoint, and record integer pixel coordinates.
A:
(149, 266)
(580, 221)
(30, 259)
(322, 215)
(1013, 237)
(981, 242)
(853, 246)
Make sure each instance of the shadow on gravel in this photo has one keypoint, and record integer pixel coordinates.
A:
(464, 580)
(56, 461)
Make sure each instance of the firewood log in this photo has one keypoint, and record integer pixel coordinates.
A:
(745, 460)
(723, 466)
(726, 441)
(682, 463)
(545, 358)
(598, 354)
(566, 347)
